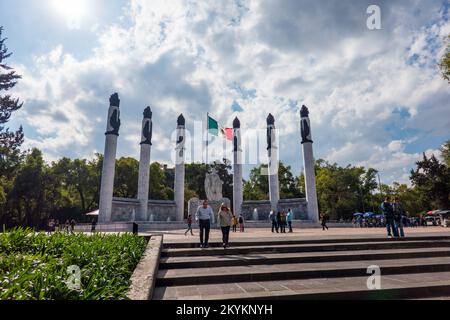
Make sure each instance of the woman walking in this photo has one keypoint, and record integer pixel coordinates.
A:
(225, 221)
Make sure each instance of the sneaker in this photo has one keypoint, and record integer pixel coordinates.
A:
(206, 246)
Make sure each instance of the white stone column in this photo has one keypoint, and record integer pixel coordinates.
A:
(144, 165)
(109, 160)
(272, 149)
(180, 167)
(237, 168)
(308, 162)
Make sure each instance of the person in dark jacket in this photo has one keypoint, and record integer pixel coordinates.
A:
(388, 211)
(324, 221)
(398, 216)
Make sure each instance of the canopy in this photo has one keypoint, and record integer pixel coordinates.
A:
(93, 213)
(358, 214)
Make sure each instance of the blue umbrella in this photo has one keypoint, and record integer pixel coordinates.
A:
(357, 214)
(367, 214)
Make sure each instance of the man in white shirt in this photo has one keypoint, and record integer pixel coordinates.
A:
(205, 217)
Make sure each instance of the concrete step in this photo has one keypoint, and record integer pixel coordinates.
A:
(268, 242)
(301, 257)
(398, 286)
(252, 273)
(320, 247)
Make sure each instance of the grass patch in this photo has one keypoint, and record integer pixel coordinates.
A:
(33, 266)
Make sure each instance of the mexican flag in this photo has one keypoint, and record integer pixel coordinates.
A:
(214, 129)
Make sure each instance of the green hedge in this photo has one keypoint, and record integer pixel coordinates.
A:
(33, 266)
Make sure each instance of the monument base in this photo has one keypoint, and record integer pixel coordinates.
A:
(194, 203)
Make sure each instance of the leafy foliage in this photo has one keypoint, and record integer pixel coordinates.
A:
(445, 62)
(33, 266)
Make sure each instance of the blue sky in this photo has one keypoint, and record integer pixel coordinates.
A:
(375, 96)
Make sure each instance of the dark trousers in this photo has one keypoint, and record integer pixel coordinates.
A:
(204, 225)
(390, 227)
(225, 234)
(234, 227)
(290, 226)
(274, 226)
(324, 225)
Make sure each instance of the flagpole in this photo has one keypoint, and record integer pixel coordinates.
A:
(207, 136)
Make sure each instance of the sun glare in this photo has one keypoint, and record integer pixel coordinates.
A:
(72, 11)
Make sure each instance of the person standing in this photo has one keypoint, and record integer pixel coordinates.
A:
(398, 217)
(72, 226)
(204, 216)
(189, 225)
(388, 211)
(235, 223)
(273, 219)
(324, 221)
(241, 223)
(283, 222)
(225, 218)
(289, 218)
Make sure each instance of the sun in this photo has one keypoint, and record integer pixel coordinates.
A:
(72, 11)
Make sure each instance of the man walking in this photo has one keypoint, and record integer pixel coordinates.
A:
(398, 216)
(205, 217)
(388, 211)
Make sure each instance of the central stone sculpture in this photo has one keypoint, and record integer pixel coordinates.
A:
(213, 186)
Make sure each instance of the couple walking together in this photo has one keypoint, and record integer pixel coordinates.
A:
(205, 217)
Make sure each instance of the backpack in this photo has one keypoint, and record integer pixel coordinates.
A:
(241, 221)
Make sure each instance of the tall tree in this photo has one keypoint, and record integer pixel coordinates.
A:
(432, 178)
(10, 141)
(445, 151)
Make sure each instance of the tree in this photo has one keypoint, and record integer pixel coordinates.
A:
(158, 189)
(445, 151)
(445, 63)
(432, 178)
(257, 187)
(126, 178)
(10, 141)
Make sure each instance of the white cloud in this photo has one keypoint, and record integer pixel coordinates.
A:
(183, 56)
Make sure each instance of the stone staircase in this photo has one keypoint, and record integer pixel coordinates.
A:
(416, 267)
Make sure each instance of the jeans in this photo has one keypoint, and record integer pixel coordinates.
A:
(274, 226)
(290, 226)
(390, 227)
(399, 227)
(234, 227)
(204, 225)
(225, 234)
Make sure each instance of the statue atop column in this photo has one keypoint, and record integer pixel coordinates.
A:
(147, 127)
(113, 125)
(213, 186)
(305, 125)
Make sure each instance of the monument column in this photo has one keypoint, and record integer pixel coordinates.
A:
(237, 168)
(144, 164)
(179, 167)
(308, 162)
(109, 160)
(272, 148)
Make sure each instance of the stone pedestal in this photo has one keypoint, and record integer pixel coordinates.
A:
(238, 196)
(144, 164)
(180, 168)
(308, 162)
(109, 160)
(272, 149)
(144, 181)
